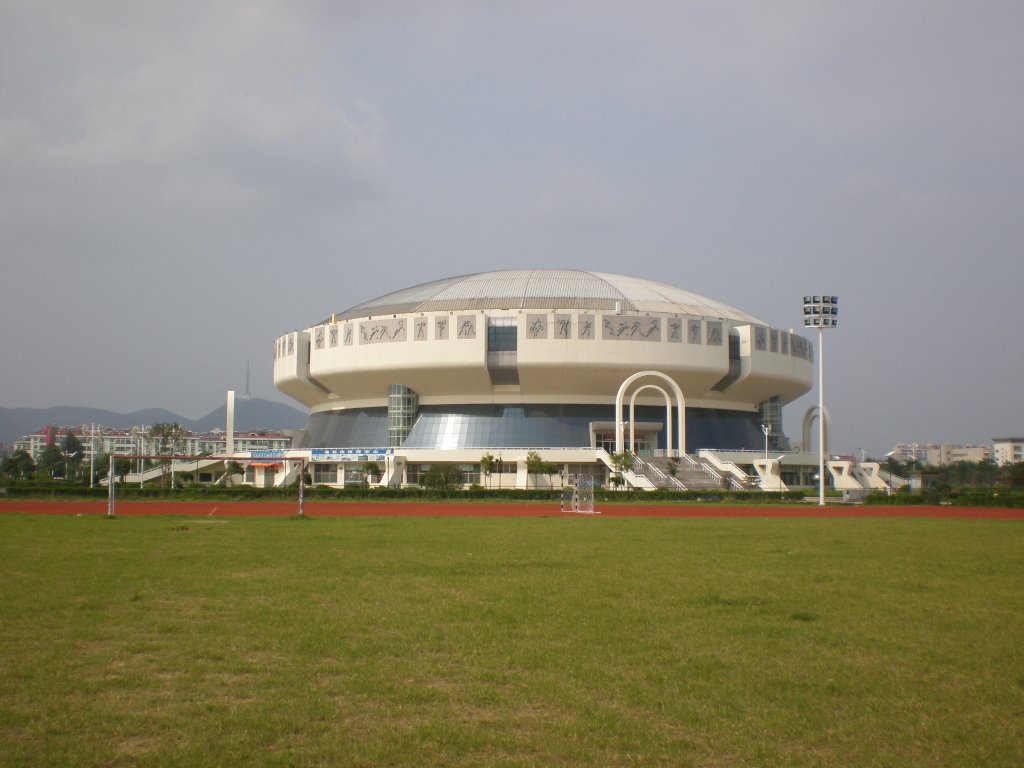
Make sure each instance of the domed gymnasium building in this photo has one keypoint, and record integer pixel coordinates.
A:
(571, 364)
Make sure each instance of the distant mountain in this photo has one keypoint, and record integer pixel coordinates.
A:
(254, 414)
(249, 415)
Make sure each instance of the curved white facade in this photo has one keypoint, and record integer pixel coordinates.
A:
(514, 361)
(578, 336)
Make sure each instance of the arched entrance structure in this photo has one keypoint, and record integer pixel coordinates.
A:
(680, 411)
(809, 417)
(632, 414)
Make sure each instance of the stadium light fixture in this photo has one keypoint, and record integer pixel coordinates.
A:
(821, 312)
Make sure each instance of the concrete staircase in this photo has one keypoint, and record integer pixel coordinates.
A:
(691, 474)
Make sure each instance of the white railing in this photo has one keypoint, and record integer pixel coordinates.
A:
(638, 480)
(662, 477)
(737, 477)
(657, 471)
(756, 452)
(606, 457)
(661, 453)
(709, 470)
(702, 467)
(654, 468)
(893, 481)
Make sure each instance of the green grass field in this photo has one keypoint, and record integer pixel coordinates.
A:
(531, 642)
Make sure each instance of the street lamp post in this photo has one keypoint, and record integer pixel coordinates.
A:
(68, 458)
(92, 457)
(889, 463)
(767, 429)
(110, 487)
(821, 312)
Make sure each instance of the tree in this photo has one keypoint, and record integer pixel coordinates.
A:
(487, 463)
(966, 472)
(986, 472)
(232, 470)
(672, 466)
(122, 467)
(71, 447)
(621, 462)
(1015, 475)
(371, 469)
(51, 462)
(71, 443)
(550, 468)
(19, 465)
(534, 465)
(168, 439)
(101, 466)
(892, 466)
(442, 477)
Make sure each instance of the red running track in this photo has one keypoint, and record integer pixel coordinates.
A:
(464, 509)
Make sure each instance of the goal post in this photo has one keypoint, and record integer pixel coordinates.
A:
(170, 459)
(567, 501)
(585, 496)
(578, 495)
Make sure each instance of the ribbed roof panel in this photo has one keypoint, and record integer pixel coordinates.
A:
(550, 289)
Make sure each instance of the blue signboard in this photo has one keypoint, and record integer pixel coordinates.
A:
(267, 454)
(350, 454)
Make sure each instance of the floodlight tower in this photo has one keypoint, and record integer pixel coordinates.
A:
(821, 312)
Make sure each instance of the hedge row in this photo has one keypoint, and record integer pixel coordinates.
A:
(955, 497)
(359, 492)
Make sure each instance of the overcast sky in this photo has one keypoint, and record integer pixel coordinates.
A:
(182, 182)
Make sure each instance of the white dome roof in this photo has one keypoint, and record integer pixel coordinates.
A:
(551, 289)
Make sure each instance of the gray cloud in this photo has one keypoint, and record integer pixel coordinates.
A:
(183, 182)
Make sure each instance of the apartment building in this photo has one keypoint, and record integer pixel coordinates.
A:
(940, 455)
(98, 440)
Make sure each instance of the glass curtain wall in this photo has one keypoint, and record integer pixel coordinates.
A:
(403, 403)
(771, 415)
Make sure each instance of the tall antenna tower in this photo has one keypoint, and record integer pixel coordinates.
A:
(247, 396)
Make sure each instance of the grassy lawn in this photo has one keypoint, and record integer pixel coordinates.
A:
(490, 641)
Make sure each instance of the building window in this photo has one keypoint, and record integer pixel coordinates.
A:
(403, 404)
(502, 350)
(325, 474)
(502, 334)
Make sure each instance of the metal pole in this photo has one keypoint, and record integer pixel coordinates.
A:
(110, 488)
(821, 417)
(302, 485)
(821, 312)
